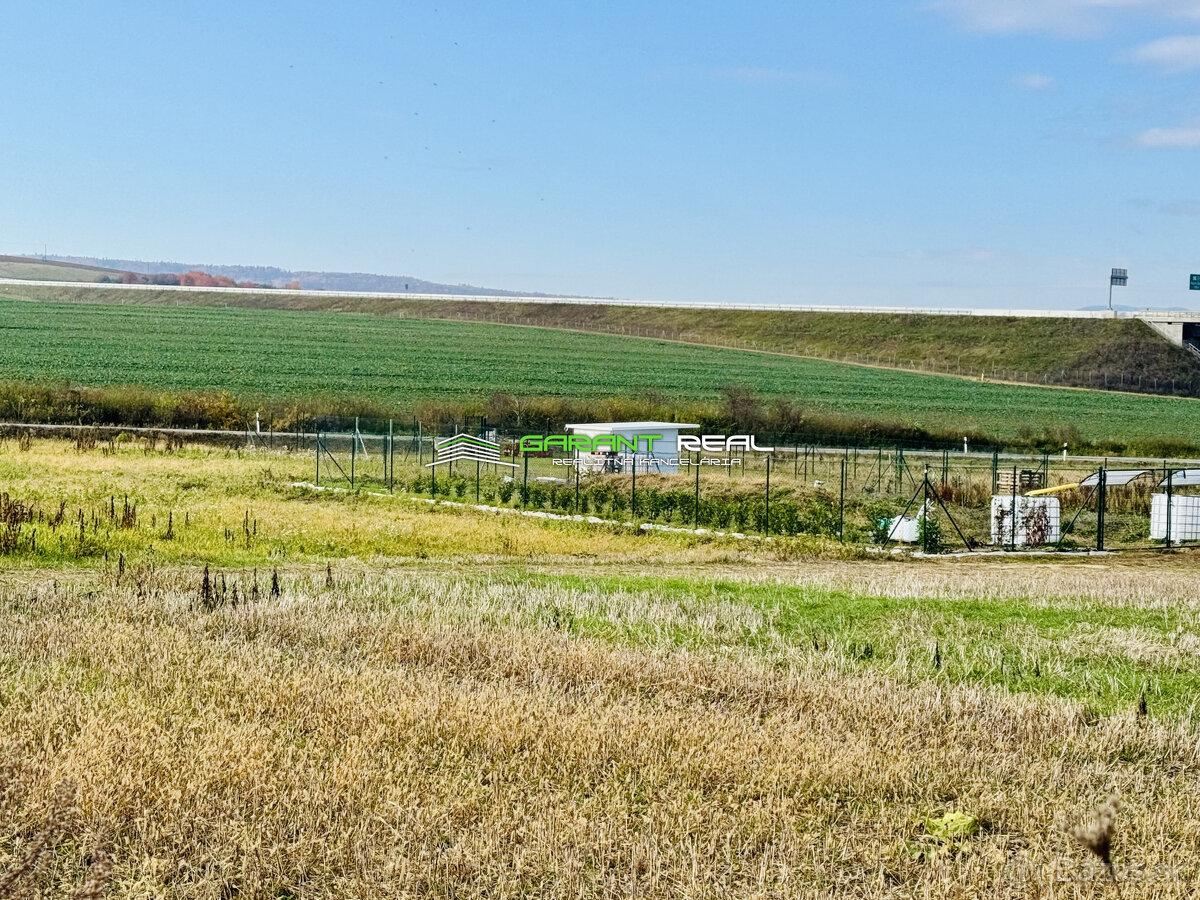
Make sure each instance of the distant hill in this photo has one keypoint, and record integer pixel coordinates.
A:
(37, 269)
(309, 281)
(29, 268)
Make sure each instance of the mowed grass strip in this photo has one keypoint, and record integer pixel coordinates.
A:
(402, 362)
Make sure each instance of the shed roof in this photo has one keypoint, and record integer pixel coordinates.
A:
(1115, 477)
(1183, 478)
(631, 426)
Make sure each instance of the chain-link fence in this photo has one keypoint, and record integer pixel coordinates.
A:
(886, 497)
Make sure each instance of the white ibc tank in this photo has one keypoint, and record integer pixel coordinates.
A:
(1038, 520)
(1185, 518)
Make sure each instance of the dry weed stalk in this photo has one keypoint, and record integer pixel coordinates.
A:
(99, 874)
(1098, 836)
(62, 804)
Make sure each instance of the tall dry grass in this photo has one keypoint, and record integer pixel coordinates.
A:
(368, 735)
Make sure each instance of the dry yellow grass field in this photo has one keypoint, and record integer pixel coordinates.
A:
(424, 710)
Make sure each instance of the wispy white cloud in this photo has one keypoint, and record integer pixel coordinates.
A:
(1069, 18)
(1180, 137)
(1034, 81)
(1178, 53)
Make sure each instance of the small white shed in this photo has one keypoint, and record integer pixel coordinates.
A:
(660, 456)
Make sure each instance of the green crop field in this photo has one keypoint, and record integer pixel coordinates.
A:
(402, 362)
(1125, 354)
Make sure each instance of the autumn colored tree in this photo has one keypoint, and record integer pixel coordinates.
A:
(196, 278)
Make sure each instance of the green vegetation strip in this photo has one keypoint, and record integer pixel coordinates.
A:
(402, 363)
(1104, 657)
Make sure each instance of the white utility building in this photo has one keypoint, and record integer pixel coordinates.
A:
(660, 456)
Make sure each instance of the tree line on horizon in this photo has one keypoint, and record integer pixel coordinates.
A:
(191, 278)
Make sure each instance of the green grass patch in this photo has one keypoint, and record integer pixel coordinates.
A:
(1104, 657)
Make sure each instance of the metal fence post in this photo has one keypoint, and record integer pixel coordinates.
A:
(1101, 502)
(842, 504)
(633, 490)
(353, 452)
(525, 482)
(318, 446)
(923, 513)
(696, 504)
(1012, 519)
(1170, 477)
(391, 457)
(767, 515)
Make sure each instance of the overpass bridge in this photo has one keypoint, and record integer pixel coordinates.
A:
(1181, 328)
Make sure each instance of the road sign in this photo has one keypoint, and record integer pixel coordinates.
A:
(1195, 284)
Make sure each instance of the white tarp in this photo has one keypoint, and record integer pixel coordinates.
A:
(905, 529)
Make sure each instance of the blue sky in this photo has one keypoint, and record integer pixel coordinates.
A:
(948, 153)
